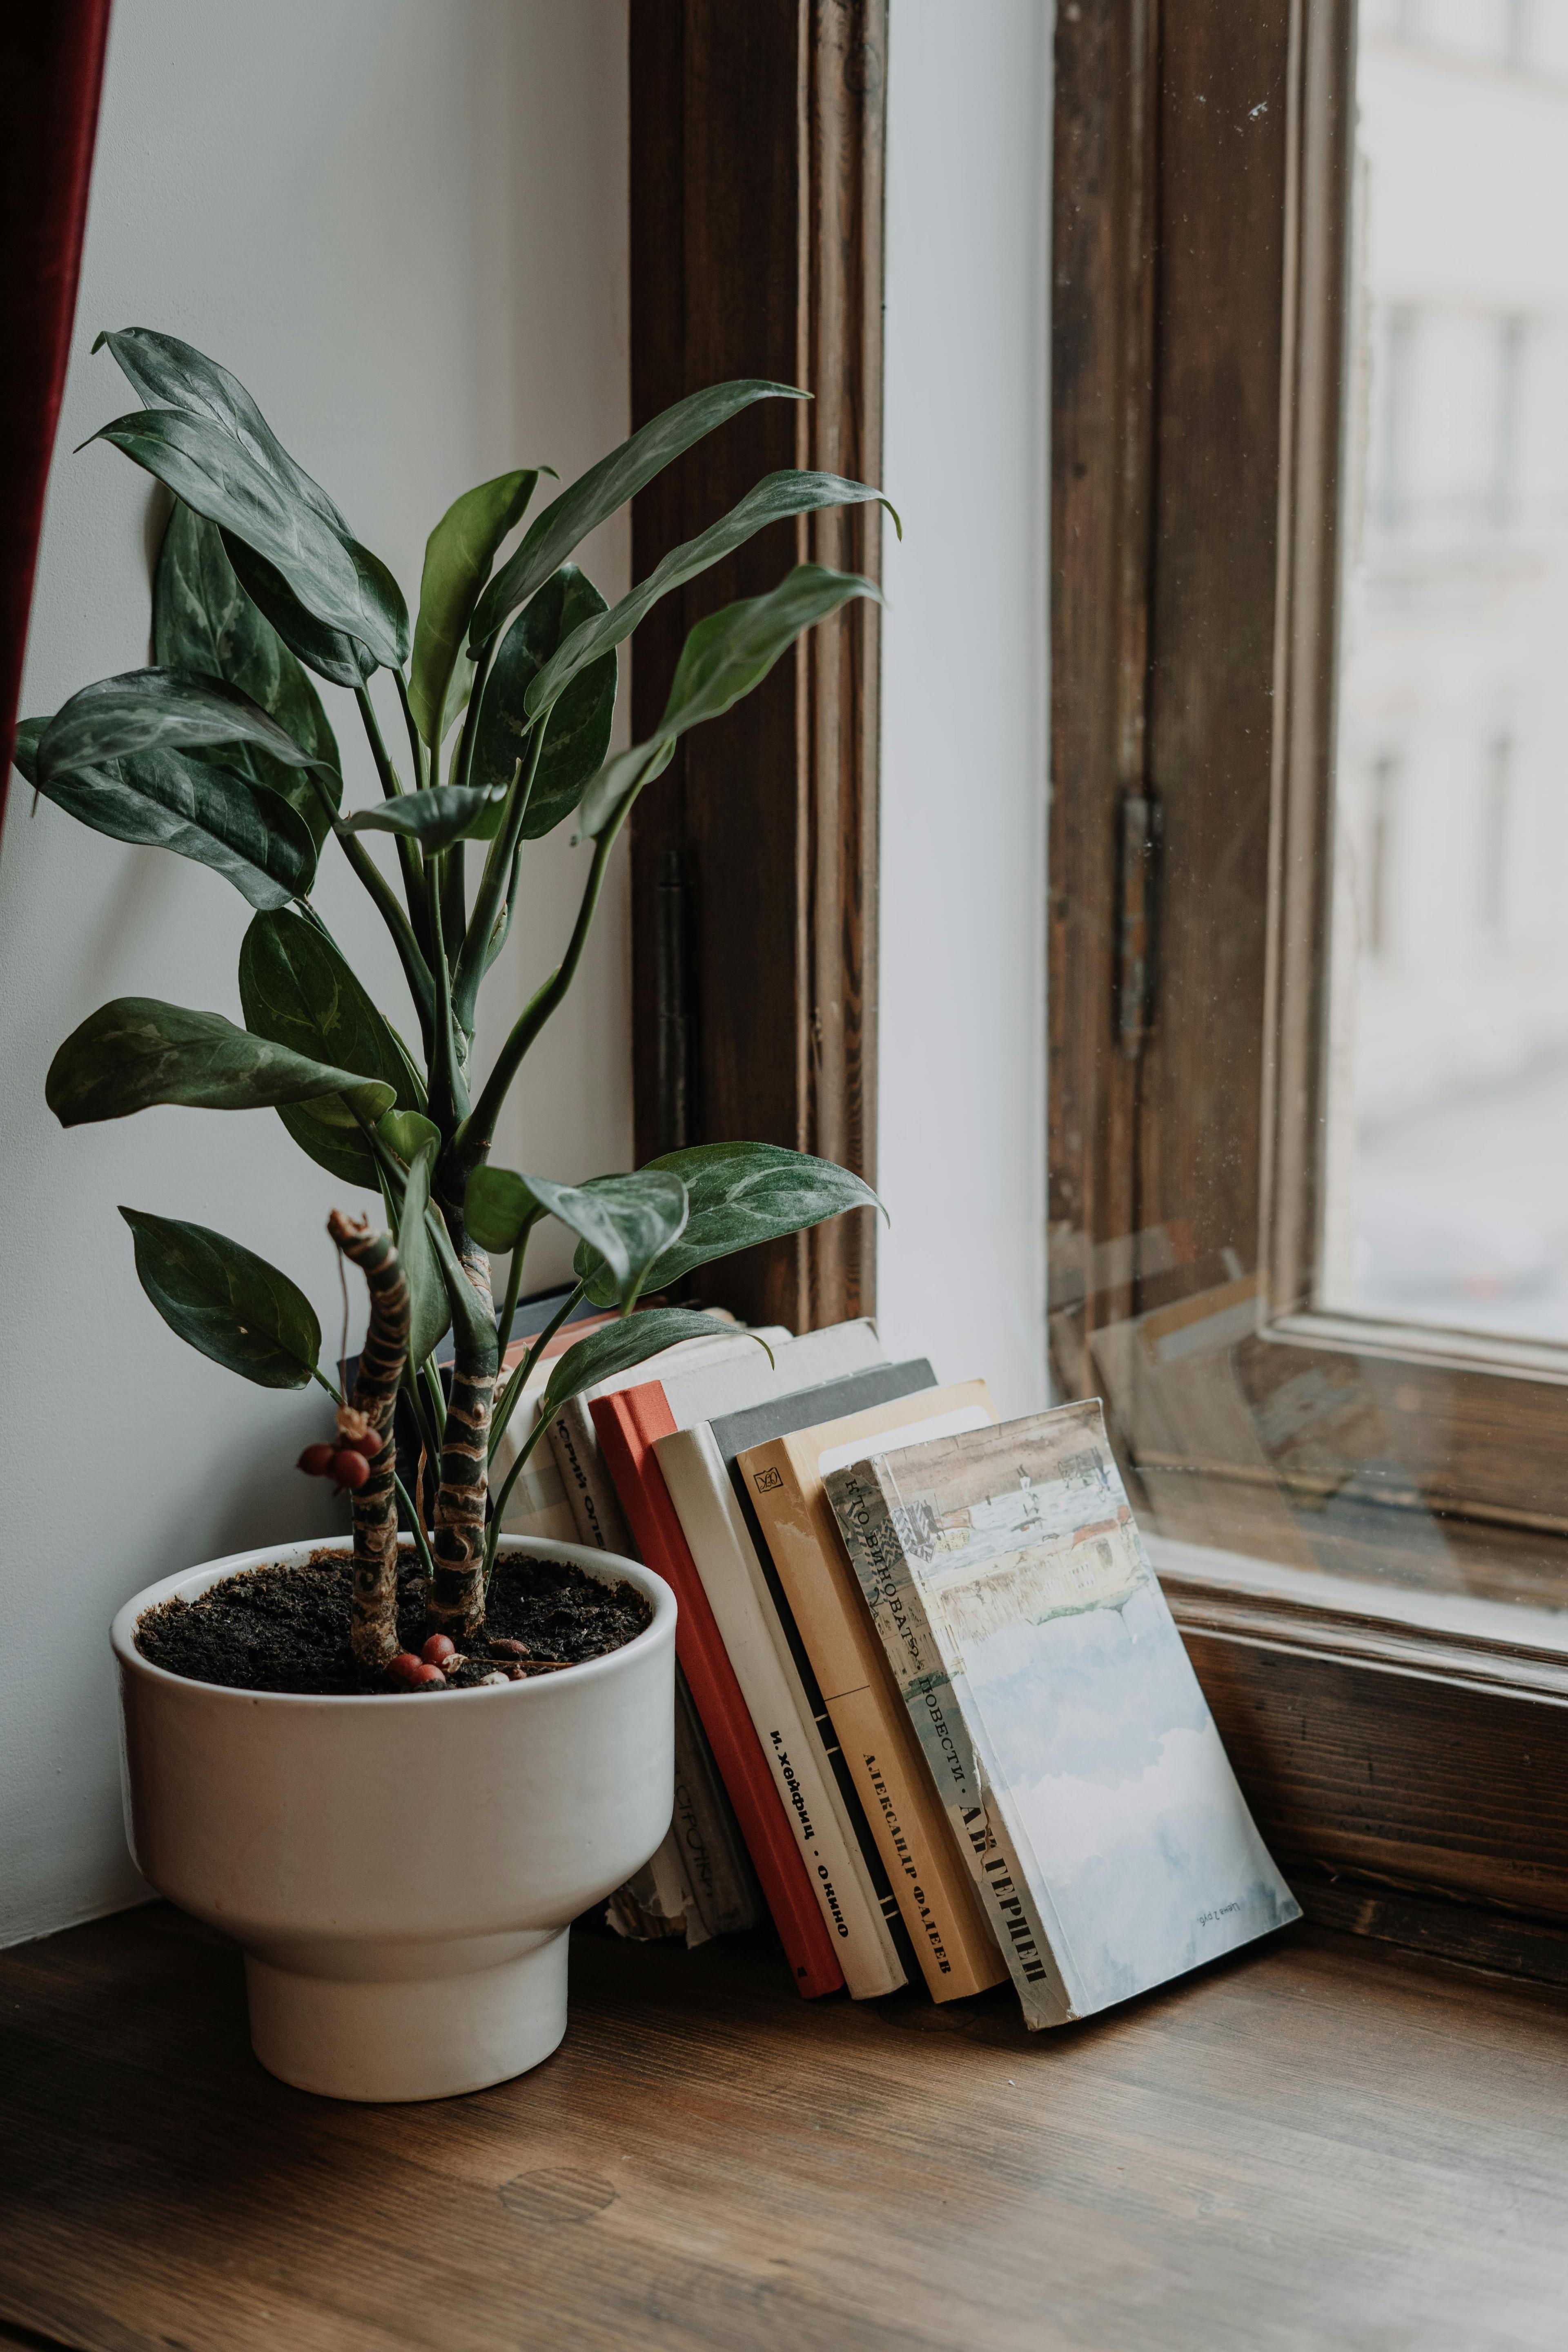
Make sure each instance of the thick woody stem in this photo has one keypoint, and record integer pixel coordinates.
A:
(457, 1591)
(375, 1396)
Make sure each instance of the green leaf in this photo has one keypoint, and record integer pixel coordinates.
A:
(171, 800)
(297, 990)
(341, 660)
(429, 1307)
(25, 753)
(617, 784)
(168, 373)
(597, 494)
(616, 1347)
(774, 499)
(731, 652)
(624, 1221)
(439, 815)
(202, 620)
(724, 657)
(741, 1194)
(226, 1301)
(334, 577)
(499, 1208)
(138, 1051)
(458, 554)
(158, 710)
(580, 722)
(406, 1132)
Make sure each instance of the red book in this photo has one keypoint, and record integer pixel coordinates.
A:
(627, 1424)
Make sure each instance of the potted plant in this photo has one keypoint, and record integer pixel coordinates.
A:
(399, 1827)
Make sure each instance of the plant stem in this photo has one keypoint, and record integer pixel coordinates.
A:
(509, 908)
(514, 1284)
(502, 861)
(435, 1401)
(455, 905)
(518, 1380)
(381, 1362)
(416, 1406)
(405, 1498)
(472, 1139)
(410, 858)
(498, 1509)
(463, 765)
(448, 1087)
(415, 970)
(457, 1592)
(415, 748)
(420, 1537)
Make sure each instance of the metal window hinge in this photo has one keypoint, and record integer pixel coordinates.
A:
(1138, 924)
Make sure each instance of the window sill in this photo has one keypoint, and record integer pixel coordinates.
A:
(1410, 1741)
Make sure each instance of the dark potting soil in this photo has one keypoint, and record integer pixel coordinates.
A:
(286, 1629)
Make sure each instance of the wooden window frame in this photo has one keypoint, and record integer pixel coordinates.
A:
(1411, 1740)
(757, 197)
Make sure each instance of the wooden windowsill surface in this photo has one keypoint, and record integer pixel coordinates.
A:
(1320, 2143)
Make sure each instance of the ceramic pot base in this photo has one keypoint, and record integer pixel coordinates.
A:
(442, 2018)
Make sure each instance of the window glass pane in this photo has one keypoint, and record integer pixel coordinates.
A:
(1448, 1100)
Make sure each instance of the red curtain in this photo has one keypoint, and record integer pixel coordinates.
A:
(51, 69)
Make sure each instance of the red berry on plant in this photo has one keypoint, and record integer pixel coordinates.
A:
(428, 1678)
(349, 1468)
(439, 1649)
(315, 1460)
(370, 1443)
(404, 1667)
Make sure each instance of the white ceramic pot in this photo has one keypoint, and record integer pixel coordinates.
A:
(401, 1871)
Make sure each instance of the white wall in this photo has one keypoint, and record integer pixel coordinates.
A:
(404, 227)
(963, 1112)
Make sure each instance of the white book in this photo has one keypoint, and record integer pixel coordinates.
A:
(589, 1489)
(720, 1545)
(706, 1391)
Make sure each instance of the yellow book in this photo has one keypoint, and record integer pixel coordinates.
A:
(935, 1892)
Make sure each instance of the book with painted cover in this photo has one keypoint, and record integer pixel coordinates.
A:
(1058, 1709)
(777, 1472)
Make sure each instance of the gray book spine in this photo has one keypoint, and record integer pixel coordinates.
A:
(865, 1512)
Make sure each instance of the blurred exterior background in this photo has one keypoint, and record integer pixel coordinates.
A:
(1448, 1193)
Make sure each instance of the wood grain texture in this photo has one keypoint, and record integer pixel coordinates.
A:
(1102, 483)
(1389, 1738)
(1320, 2144)
(1396, 1775)
(756, 145)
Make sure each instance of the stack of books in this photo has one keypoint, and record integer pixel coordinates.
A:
(934, 1715)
